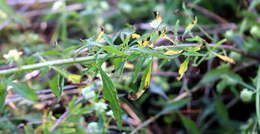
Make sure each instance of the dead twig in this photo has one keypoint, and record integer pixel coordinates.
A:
(135, 119)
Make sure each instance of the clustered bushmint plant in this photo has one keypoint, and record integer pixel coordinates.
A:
(105, 58)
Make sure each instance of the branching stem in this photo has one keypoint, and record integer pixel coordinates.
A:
(90, 59)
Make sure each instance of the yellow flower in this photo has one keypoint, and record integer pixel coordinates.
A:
(157, 21)
(100, 35)
(144, 44)
(190, 26)
(135, 36)
(13, 54)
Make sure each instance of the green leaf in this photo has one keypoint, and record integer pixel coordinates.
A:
(56, 85)
(151, 52)
(220, 42)
(51, 53)
(221, 111)
(192, 49)
(235, 78)
(145, 81)
(193, 53)
(74, 78)
(23, 90)
(6, 8)
(110, 94)
(190, 125)
(214, 74)
(138, 68)
(221, 86)
(196, 39)
(108, 39)
(190, 26)
(174, 106)
(28, 129)
(113, 49)
(119, 65)
(2, 95)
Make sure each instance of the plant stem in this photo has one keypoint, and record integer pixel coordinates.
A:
(245, 53)
(92, 58)
(88, 59)
(258, 97)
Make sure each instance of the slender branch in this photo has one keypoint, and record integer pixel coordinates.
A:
(34, 13)
(88, 59)
(245, 53)
(64, 116)
(59, 121)
(207, 13)
(145, 123)
(27, 2)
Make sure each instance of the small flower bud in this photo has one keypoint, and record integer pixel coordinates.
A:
(255, 31)
(246, 95)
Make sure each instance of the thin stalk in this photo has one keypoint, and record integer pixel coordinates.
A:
(258, 97)
(92, 58)
(231, 48)
(88, 59)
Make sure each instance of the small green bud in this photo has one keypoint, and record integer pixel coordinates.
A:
(246, 95)
(229, 34)
(255, 31)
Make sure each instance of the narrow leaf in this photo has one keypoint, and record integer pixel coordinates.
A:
(146, 78)
(225, 58)
(145, 82)
(214, 74)
(221, 111)
(113, 49)
(174, 106)
(23, 90)
(138, 68)
(110, 94)
(2, 95)
(56, 85)
(190, 125)
(74, 78)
